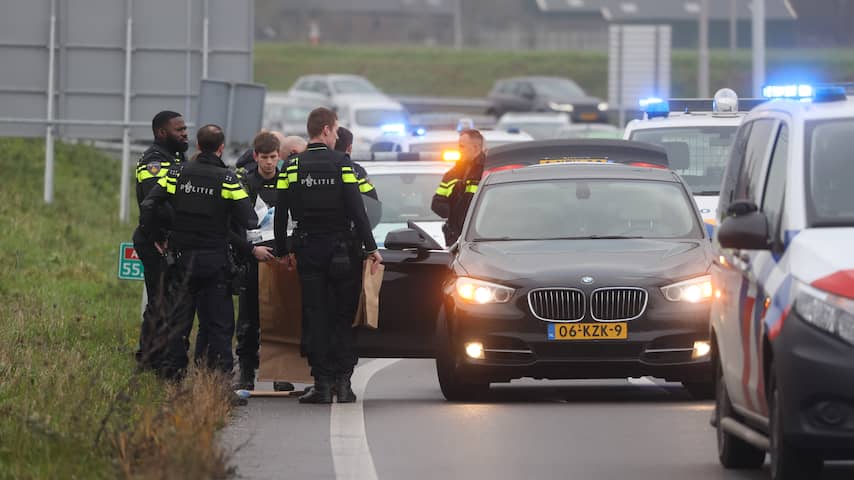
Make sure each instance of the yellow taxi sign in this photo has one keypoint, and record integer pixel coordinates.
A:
(573, 160)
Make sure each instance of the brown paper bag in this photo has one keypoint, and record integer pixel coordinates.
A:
(368, 312)
(280, 319)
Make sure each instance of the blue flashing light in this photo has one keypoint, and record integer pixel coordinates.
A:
(792, 92)
(829, 94)
(393, 128)
(419, 132)
(655, 107)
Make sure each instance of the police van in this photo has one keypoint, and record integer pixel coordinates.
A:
(697, 135)
(782, 322)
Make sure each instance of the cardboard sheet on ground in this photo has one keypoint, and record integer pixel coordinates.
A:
(280, 312)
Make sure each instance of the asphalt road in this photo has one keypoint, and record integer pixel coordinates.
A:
(402, 428)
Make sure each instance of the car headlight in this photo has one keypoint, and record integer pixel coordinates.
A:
(603, 106)
(695, 290)
(472, 290)
(561, 107)
(831, 313)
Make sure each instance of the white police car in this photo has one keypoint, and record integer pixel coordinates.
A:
(442, 141)
(697, 134)
(782, 323)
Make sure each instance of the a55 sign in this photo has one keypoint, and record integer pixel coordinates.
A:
(130, 266)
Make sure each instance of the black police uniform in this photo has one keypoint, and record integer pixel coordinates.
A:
(153, 165)
(454, 194)
(204, 196)
(248, 334)
(320, 190)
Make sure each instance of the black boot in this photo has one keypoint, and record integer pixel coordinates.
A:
(343, 390)
(321, 393)
(283, 386)
(246, 380)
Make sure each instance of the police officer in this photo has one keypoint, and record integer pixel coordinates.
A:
(453, 196)
(320, 190)
(259, 182)
(344, 144)
(170, 143)
(204, 196)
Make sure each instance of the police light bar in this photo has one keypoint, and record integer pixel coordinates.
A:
(829, 93)
(654, 107)
(790, 92)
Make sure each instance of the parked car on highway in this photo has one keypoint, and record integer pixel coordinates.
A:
(331, 90)
(608, 279)
(369, 118)
(783, 322)
(546, 94)
(443, 142)
(540, 126)
(286, 114)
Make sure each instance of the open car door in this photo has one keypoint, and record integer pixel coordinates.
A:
(415, 270)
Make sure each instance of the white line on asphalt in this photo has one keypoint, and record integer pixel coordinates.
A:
(351, 455)
(646, 381)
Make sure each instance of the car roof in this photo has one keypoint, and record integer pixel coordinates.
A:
(372, 102)
(807, 111)
(538, 77)
(569, 171)
(686, 120)
(453, 135)
(392, 168)
(548, 118)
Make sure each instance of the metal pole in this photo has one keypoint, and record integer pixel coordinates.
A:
(124, 199)
(733, 26)
(188, 66)
(48, 135)
(703, 51)
(205, 39)
(229, 114)
(758, 46)
(458, 24)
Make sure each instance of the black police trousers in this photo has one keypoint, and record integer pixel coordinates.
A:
(330, 296)
(152, 318)
(248, 324)
(199, 284)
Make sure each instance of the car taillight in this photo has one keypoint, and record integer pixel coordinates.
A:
(647, 165)
(512, 166)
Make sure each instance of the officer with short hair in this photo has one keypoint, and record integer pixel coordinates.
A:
(344, 144)
(204, 196)
(170, 143)
(459, 184)
(320, 190)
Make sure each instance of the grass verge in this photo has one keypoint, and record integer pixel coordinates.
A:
(71, 403)
(471, 72)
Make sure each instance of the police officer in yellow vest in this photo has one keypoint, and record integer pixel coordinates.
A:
(320, 191)
(459, 184)
(205, 197)
(170, 143)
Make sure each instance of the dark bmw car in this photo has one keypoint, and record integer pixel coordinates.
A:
(546, 94)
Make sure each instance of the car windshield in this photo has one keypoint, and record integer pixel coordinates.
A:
(377, 117)
(406, 196)
(559, 88)
(538, 130)
(353, 86)
(829, 172)
(581, 209)
(698, 154)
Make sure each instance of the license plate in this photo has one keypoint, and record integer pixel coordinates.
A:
(589, 116)
(588, 331)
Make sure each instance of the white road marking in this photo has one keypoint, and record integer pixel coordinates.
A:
(643, 381)
(351, 455)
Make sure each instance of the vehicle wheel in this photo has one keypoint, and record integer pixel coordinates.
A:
(454, 388)
(700, 390)
(733, 452)
(788, 462)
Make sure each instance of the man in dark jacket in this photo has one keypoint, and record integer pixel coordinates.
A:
(170, 143)
(453, 196)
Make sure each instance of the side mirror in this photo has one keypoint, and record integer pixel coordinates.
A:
(747, 231)
(406, 238)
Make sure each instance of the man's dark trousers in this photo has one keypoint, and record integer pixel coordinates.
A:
(153, 269)
(330, 297)
(200, 285)
(248, 328)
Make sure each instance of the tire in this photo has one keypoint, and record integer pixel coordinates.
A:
(788, 462)
(733, 452)
(454, 387)
(700, 390)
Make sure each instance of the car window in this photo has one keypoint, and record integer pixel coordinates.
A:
(383, 147)
(736, 159)
(698, 154)
(570, 209)
(304, 84)
(523, 89)
(775, 185)
(758, 145)
(830, 196)
(559, 88)
(348, 86)
(406, 196)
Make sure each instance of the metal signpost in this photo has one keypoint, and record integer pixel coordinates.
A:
(638, 65)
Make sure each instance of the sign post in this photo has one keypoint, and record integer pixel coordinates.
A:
(130, 266)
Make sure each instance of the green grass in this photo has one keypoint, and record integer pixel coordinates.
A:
(470, 72)
(70, 400)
